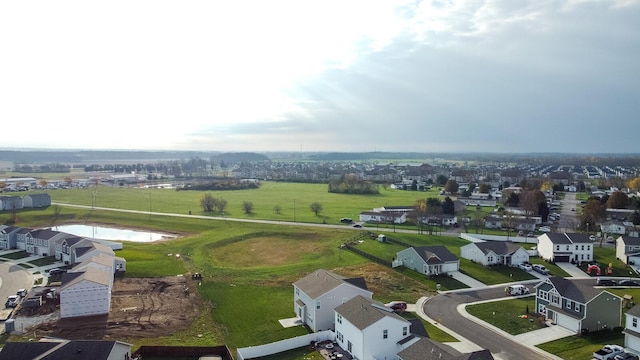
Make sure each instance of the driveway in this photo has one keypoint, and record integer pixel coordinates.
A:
(572, 270)
(12, 278)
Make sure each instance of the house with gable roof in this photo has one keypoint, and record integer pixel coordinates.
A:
(42, 241)
(428, 260)
(613, 227)
(8, 237)
(85, 293)
(565, 247)
(367, 329)
(632, 329)
(10, 202)
(317, 295)
(36, 200)
(21, 238)
(628, 250)
(495, 253)
(427, 349)
(577, 306)
(66, 349)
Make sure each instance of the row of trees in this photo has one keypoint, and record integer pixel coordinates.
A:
(209, 203)
(352, 184)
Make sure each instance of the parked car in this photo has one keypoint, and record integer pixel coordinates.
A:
(544, 229)
(626, 356)
(606, 282)
(540, 269)
(357, 226)
(397, 306)
(516, 290)
(608, 352)
(525, 266)
(610, 239)
(56, 271)
(592, 237)
(12, 301)
(22, 293)
(629, 283)
(346, 220)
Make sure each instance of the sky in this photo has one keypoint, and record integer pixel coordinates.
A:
(506, 76)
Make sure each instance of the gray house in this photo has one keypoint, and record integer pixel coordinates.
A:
(319, 293)
(628, 250)
(8, 237)
(8, 203)
(428, 260)
(36, 200)
(577, 306)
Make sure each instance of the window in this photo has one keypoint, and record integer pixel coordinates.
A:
(404, 331)
(588, 247)
(555, 299)
(297, 291)
(582, 247)
(568, 247)
(349, 346)
(576, 247)
(581, 256)
(317, 305)
(339, 336)
(635, 322)
(557, 247)
(339, 319)
(569, 303)
(577, 307)
(385, 333)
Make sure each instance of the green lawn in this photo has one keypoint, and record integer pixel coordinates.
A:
(582, 347)
(509, 315)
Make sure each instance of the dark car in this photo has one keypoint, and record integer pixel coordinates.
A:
(629, 283)
(606, 282)
(626, 356)
(357, 226)
(57, 271)
(540, 269)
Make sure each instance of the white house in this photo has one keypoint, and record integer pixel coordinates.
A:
(366, 329)
(317, 295)
(85, 293)
(383, 217)
(495, 253)
(9, 203)
(91, 249)
(576, 305)
(628, 250)
(8, 237)
(613, 227)
(428, 260)
(565, 247)
(632, 329)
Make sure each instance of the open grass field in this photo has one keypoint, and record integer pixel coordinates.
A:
(582, 347)
(294, 199)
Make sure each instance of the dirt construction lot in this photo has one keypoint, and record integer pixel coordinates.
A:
(140, 308)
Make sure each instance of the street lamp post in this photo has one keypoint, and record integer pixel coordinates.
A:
(294, 210)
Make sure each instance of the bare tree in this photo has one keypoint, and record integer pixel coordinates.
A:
(220, 204)
(207, 202)
(277, 209)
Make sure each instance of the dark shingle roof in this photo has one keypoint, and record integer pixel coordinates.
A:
(498, 247)
(44, 233)
(579, 238)
(630, 240)
(427, 349)
(435, 254)
(24, 350)
(575, 291)
(322, 281)
(558, 238)
(363, 312)
(634, 311)
(62, 350)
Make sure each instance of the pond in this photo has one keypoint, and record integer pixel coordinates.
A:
(107, 233)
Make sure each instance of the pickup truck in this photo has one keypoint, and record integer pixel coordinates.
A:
(608, 352)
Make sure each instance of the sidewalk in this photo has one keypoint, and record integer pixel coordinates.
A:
(467, 280)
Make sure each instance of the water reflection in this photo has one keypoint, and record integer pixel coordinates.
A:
(107, 233)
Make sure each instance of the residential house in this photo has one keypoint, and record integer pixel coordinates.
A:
(367, 329)
(43, 241)
(51, 348)
(495, 253)
(613, 227)
(565, 247)
(383, 217)
(578, 306)
(8, 237)
(632, 329)
(102, 262)
(317, 295)
(36, 200)
(526, 224)
(628, 250)
(427, 349)
(86, 251)
(85, 293)
(8, 203)
(21, 238)
(428, 260)
(64, 248)
(493, 222)
(478, 201)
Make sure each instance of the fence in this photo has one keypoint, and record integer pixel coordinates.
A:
(367, 255)
(284, 345)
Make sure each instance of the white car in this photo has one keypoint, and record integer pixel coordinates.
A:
(592, 237)
(12, 301)
(544, 229)
(525, 267)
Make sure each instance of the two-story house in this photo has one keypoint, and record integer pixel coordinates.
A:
(43, 241)
(366, 329)
(10, 203)
(578, 306)
(428, 260)
(8, 237)
(628, 250)
(613, 227)
(36, 200)
(317, 295)
(565, 247)
(21, 238)
(632, 329)
(495, 253)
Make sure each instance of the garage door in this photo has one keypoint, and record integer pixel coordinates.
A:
(567, 322)
(563, 258)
